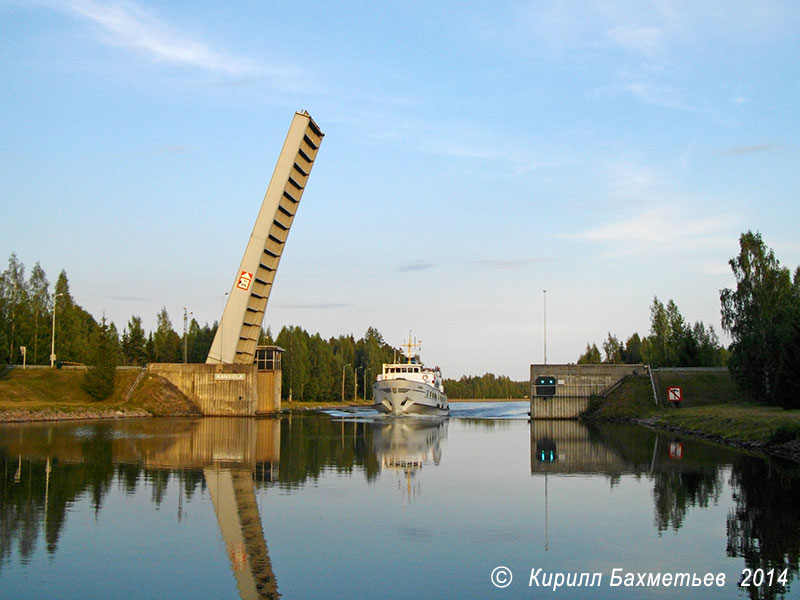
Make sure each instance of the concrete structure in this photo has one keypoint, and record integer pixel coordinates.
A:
(235, 381)
(239, 329)
(572, 387)
(565, 447)
(229, 390)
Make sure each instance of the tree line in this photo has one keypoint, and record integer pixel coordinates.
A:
(673, 342)
(762, 316)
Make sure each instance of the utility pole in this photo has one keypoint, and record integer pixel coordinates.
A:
(545, 325)
(343, 368)
(53, 338)
(185, 322)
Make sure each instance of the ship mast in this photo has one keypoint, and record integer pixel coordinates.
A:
(410, 346)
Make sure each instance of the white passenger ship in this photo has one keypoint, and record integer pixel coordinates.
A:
(410, 388)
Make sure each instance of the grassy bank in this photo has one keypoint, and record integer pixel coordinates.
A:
(45, 394)
(720, 413)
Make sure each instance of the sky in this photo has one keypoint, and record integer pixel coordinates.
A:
(475, 155)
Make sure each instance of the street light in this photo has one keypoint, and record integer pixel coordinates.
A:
(186, 316)
(355, 382)
(545, 325)
(53, 338)
(343, 368)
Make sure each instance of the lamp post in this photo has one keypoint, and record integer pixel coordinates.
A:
(185, 319)
(343, 368)
(355, 383)
(53, 338)
(545, 325)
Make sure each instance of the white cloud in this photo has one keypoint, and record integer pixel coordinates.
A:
(660, 228)
(643, 40)
(631, 181)
(129, 25)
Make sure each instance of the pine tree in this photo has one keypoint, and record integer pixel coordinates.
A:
(99, 379)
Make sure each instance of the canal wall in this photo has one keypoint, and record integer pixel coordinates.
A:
(217, 390)
(573, 386)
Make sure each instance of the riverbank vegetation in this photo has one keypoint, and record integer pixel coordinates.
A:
(762, 316)
(315, 369)
(673, 342)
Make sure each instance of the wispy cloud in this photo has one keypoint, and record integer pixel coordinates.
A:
(176, 149)
(419, 265)
(658, 95)
(641, 39)
(317, 306)
(631, 181)
(658, 229)
(507, 263)
(129, 25)
(754, 149)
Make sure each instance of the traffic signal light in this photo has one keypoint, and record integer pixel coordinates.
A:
(545, 386)
(546, 450)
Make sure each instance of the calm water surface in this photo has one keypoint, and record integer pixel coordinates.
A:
(353, 505)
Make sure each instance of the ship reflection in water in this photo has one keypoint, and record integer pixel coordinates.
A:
(407, 444)
(322, 489)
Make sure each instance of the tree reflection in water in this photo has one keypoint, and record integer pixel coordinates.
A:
(45, 469)
(764, 526)
(674, 492)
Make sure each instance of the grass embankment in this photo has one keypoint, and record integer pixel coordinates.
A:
(52, 394)
(712, 408)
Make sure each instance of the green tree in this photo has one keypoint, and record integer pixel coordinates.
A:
(633, 350)
(15, 292)
(40, 303)
(200, 340)
(591, 356)
(295, 362)
(613, 349)
(99, 378)
(74, 326)
(166, 343)
(134, 342)
(762, 316)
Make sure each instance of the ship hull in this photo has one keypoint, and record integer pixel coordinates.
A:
(404, 397)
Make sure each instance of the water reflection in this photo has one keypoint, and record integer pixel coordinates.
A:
(48, 468)
(405, 445)
(764, 526)
(226, 455)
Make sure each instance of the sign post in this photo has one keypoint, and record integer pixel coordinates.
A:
(674, 396)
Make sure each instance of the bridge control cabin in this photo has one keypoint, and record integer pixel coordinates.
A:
(269, 378)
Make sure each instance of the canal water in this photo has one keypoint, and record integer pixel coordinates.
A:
(350, 504)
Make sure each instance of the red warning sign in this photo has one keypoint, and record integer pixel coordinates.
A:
(244, 280)
(676, 450)
(674, 394)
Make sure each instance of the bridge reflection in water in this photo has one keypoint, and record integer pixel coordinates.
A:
(233, 454)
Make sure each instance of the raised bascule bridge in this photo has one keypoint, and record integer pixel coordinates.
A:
(241, 378)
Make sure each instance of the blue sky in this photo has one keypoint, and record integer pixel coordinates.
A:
(475, 155)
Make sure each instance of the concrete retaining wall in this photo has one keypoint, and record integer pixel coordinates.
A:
(218, 390)
(575, 384)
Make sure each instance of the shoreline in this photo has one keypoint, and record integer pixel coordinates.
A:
(786, 451)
